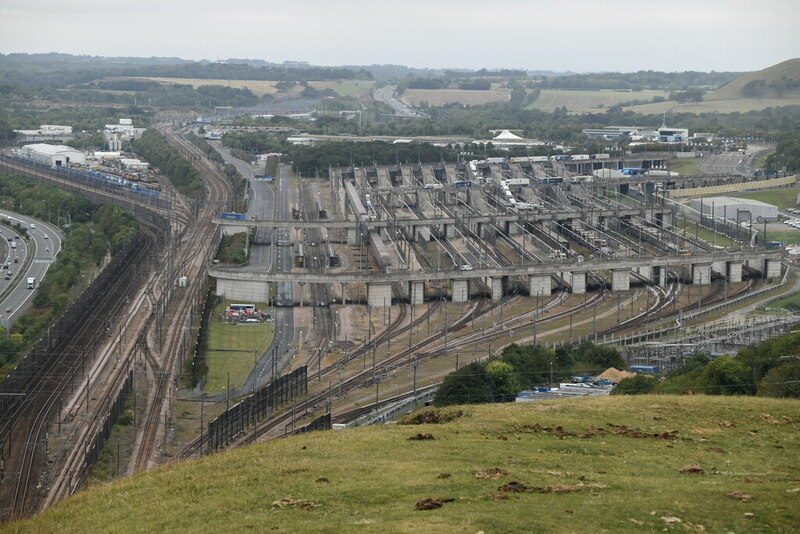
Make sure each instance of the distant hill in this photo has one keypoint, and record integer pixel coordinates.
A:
(599, 464)
(777, 81)
(775, 86)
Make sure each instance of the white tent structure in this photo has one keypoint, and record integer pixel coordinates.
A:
(506, 136)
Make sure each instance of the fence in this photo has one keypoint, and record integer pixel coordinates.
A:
(323, 422)
(256, 407)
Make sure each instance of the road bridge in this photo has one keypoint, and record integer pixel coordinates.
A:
(522, 216)
(241, 283)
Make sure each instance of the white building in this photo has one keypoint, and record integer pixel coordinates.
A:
(134, 164)
(736, 209)
(116, 133)
(46, 132)
(672, 135)
(52, 155)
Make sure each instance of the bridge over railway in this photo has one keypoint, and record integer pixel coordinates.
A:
(240, 283)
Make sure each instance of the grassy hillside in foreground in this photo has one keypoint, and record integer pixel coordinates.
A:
(614, 464)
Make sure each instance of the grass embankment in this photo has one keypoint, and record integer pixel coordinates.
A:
(783, 198)
(619, 464)
(233, 348)
(760, 162)
(232, 249)
(686, 166)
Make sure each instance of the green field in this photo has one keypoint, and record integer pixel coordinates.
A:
(761, 161)
(783, 198)
(609, 464)
(241, 344)
(686, 166)
(585, 101)
(737, 105)
(791, 303)
(344, 88)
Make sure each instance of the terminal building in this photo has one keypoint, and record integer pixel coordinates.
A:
(52, 155)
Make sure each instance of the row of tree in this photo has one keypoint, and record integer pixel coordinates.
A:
(153, 147)
(771, 369)
(787, 153)
(62, 70)
(521, 366)
(93, 233)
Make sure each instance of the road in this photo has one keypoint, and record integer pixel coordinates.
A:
(727, 163)
(264, 256)
(33, 258)
(385, 94)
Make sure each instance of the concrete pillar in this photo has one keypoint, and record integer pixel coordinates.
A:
(460, 290)
(649, 189)
(620, 280)
(352, 236)
(666, 220)
(578, 283)
(497, 287)
(416, 292)
(379, 294)
(243, 290)
(772, 268)
(539, 284)
(734, 273)
(660, 275)
(450, 230)
(701, 273)
(646, 271)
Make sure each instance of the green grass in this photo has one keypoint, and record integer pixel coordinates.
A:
(760, 162)
(686, 166)
(249, 341)
(368, 480)
(693, 230)
(783, 198)
(791, 303)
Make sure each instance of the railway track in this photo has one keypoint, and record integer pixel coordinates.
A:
(26, 428)
(192, 255)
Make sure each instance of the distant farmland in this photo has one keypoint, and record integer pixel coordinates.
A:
(585, 101)
(710, 103)
(440, 97)
(262, 87)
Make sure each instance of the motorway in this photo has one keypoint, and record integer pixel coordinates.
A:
(263, 257)
(34, 257)
(385, 94)
(731, 162)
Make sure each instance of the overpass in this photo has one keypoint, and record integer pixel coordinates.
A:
(254, 285)
(522, 216)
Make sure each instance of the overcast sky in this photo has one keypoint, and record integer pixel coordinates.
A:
(560, 35)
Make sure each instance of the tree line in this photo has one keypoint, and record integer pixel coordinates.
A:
(153, 147)
(520, 367)
(92, 232)
(771, 369)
